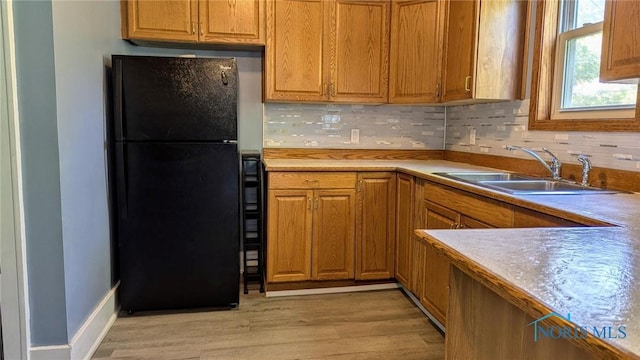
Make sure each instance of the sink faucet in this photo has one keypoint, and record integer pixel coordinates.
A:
(554, 168)
(586, 166)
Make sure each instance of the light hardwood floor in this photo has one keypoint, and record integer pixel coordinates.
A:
(364, 325)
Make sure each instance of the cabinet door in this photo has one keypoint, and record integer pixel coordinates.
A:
(334, 228)
(296, 67)
(416, 51)
(359, 51)
(435, 292)
(415, 280)
(376, 226)
(620, 33)
(404, 228)
(289, 235)
(236, 21)
(439, 217)
(173, 20)
(460, 50)
(418, 253)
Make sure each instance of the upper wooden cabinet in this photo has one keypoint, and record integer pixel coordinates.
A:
(327, 51)
(483, 50)
(416, 51)
(235, 22)
(620, 37)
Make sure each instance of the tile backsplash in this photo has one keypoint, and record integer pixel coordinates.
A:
(330, 126)
(505, 123)
(423, 127)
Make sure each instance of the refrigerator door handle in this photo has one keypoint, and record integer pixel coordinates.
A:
(121, 179)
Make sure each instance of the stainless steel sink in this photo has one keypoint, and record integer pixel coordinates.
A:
(485, 176)
(541, 187)
(522, 184)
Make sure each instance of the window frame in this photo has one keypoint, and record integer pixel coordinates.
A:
(541, 108)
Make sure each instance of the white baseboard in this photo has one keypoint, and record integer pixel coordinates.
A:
(57, 352)
(85, 342)
(332, 290)
(87, 339)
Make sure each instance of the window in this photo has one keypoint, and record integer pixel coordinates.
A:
(568, 94)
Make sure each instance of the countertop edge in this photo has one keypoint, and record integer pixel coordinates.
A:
(518, 296)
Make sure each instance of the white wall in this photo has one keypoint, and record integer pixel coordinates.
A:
(35, 76)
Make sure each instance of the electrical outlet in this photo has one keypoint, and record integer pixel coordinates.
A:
(472, 137)
(355, 136)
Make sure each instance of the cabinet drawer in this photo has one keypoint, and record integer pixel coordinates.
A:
(488, 211)
(312, 180)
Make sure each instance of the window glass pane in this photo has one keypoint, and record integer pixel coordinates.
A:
(581, 85)
(577, 13)
(590, 11)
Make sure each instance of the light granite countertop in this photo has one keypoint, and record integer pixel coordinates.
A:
(592, 273)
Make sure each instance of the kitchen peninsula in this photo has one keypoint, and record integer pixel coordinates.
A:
(577, 260)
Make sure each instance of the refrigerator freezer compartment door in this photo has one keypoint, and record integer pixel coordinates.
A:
(174, 99)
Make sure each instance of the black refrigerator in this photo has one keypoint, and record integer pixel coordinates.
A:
(175, 171)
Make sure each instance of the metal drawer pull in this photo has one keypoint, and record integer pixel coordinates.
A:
(311, 181)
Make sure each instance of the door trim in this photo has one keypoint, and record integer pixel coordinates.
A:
(14, 277)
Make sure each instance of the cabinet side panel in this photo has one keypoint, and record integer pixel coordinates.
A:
(483, 326)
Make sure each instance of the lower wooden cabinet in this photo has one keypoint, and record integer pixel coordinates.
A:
(444, 207)
(311, 235)
(376, 225)
(321, 226)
